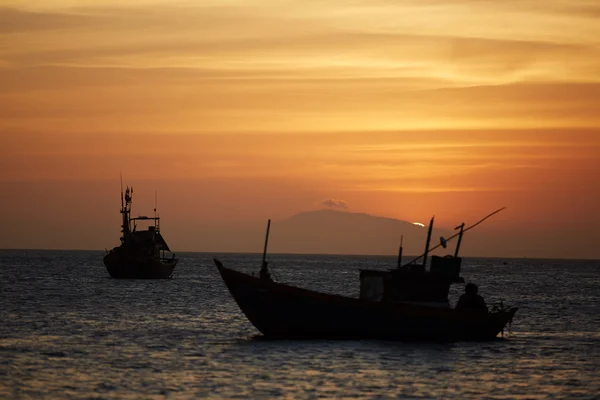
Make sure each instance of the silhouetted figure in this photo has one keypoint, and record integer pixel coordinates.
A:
(471, 301)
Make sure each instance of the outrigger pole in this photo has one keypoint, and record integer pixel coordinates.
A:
(400, 251)
(264, 270)
(460, 233)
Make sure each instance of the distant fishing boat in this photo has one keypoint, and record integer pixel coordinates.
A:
(403, 303)
(143, 254)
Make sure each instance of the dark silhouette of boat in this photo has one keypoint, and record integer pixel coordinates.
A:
(143, 254)
(405, 303)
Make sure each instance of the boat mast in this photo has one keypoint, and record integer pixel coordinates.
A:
(156, 219)
(400, 251)
(428, 241)
(125, 211)
(460, 236)
(264, 270)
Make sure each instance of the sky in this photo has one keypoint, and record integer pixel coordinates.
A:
(238, 111)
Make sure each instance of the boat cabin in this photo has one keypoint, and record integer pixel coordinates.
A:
(148, 241)
(412, 283)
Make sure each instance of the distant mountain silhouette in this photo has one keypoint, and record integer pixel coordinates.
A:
(340, 232)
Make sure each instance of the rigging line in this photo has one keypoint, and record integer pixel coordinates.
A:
(456, 234)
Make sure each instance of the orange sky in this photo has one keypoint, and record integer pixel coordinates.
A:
(240, 111)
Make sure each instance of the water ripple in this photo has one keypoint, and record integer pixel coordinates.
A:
(70, 332)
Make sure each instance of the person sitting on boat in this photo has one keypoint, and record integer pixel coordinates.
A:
(471, 301)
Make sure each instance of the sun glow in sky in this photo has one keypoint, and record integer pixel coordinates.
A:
(239, 111)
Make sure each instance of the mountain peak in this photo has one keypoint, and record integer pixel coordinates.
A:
(343, 232)
(324, 214)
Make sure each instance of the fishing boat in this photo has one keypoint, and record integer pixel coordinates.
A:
(408, 302)
(143, 254)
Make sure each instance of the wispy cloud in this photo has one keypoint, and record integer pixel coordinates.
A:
(335, 203)
(366, 40)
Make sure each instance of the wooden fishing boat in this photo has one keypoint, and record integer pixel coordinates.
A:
(405, 303)
(143, 254)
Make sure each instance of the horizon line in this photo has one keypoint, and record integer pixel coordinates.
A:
(258, 253)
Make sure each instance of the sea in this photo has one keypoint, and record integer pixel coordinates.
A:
(69, 331)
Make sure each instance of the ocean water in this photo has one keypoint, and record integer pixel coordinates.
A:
(69, 331)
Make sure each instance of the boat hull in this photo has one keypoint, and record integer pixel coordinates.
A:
(122, 264)
(285, 312)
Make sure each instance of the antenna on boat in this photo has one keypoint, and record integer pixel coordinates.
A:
(428, 241)
(462, 231)
(155, 205)
(400, 251)
(121, 175)
(264, 270)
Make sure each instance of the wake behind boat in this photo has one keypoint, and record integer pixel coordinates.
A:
(143, 254)
(404, 303)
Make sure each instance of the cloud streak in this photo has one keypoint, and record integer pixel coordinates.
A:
(334, 203)
(317, 37)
